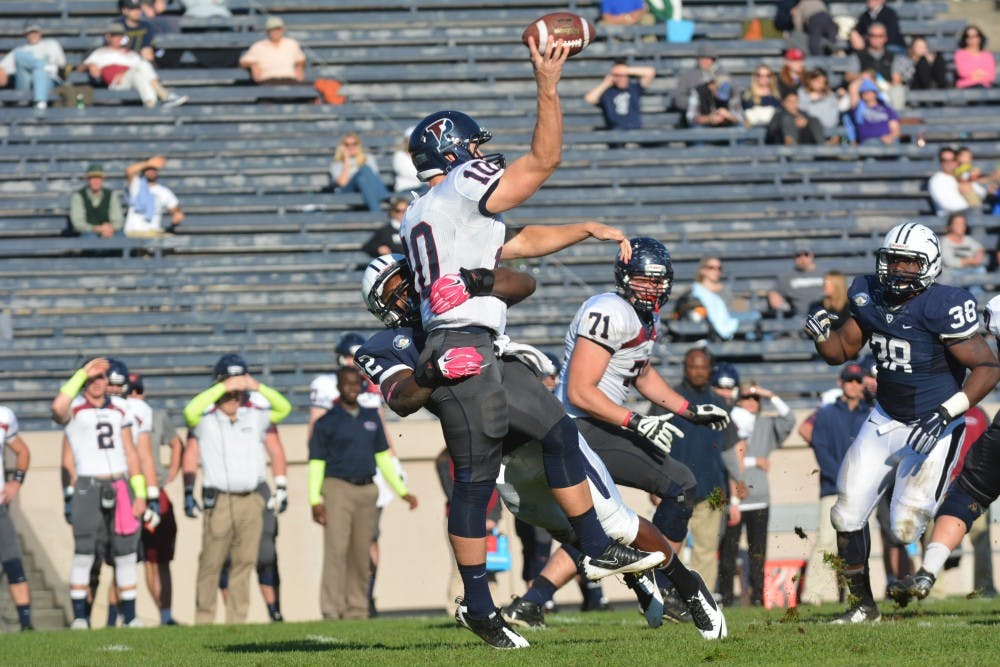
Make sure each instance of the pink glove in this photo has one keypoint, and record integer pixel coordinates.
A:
(448, 292)
(460, 362)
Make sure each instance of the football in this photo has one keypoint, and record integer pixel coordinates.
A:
(575, 31)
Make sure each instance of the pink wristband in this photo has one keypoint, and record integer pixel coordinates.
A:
(684, 407)
(388, 393)
(628, 418)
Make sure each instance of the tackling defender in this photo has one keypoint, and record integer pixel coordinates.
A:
(924, 336)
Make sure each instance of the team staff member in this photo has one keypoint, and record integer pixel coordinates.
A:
(229, 423)
(10, 547)
(103, 509)
(346, 445)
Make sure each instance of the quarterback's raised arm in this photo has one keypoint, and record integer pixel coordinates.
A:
(541, 240)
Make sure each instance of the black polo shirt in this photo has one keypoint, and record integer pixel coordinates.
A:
(348, 443)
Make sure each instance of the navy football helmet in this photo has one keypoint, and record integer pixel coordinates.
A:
(349, 344)
(229, 365)
(118, 375)
(401, 306)
(650, 259)
(725, 376)
(909, 241)
(448, 133)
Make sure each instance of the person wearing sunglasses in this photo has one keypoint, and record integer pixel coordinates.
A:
(974, 65)
(353, 169)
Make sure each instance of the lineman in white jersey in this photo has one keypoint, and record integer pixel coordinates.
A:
(10, 545)
(455, 227)
(104, 506)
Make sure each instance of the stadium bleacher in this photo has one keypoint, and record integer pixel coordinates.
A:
(267, 261)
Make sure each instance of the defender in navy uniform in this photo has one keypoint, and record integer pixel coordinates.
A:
(924, 336)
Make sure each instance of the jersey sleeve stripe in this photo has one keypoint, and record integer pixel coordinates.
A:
(392, 370)
(964, 334)
(603, 345)
(486, 195)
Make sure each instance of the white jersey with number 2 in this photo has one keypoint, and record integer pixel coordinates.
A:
(611, 322)
(446, 230)
(95, 436)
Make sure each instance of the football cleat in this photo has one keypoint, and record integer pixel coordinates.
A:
(525, 614)
(705, 612)
(135, 623)
(862, 612)
(493, 630)
(79, 624)
(911, 587)
(619, 559)
(674, 608)
(643, 584)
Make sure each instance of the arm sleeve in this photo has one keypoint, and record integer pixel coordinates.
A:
(196, 406)
(280, 407)
(384, 462)
(317, 471)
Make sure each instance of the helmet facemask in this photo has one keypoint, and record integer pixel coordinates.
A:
(902, 283)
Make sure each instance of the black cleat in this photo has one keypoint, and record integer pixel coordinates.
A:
(525, 614)
(619, 559)
(493, 630)
(911, 587)
(648, 593)
(705, 612)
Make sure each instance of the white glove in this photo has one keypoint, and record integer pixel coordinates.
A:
(818, 325)
(658, 430)
(278, 502)
(707, 414)
(151, 517)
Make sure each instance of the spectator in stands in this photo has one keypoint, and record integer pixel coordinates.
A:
(873, 119)
(706, 70)
(834, 300)
(355, 170)
(882, 65)
(878, 13)
(619, 95)
(725, 380)
(762, 434)
(791, 73)
(96, 210)
(796, 289)
(974, 65)
(712, 105)
(946, 192)
(385, 239)
(816, 99)
(37, 64)
(961, 255)
(405, 173)
(760, 100)
(792, 126)
(709, 289)
(276, 60)
(625, 12)
(812, 23)
(832, 430)
(154, 12)
(206, 9)
(930, 70)
(148, 200)
(967, 171)
(119, 69)
(140, 32)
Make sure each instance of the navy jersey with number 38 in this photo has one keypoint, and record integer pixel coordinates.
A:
(915, 372)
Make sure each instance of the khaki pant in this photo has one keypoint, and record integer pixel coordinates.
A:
(350, 525)
(821, 578)
(232, 528)
(706, 530)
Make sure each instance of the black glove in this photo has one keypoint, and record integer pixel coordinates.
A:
(928, 430)
(68, 504)
(190, 504)
(479, 282)
(707, 414)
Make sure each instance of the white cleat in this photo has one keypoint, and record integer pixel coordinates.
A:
(705, 612)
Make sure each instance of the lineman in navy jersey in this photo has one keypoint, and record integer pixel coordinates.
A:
(924, 337)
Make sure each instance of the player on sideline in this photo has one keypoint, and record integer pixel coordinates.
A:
(390, 358)
(458, 224)
(103, 507)
(977, 487)
(924, 336)
(10, 547)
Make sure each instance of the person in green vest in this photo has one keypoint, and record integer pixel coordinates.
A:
(95, 210)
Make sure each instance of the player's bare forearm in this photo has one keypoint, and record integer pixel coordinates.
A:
(651, 385)
(403, 395)
(176, 452)
(132, 460)
(512, 286)
(541, 240)
(596, 403)
(190, 460)
(843, 344)
(22, 452)
(144, 450)
(276, 453)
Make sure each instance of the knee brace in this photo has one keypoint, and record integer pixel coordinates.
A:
(959, 503)
(79, 573)
(126, 574)
(267, 574)
(672, 516)
(15, 571)
(561, 455)
(469, 500)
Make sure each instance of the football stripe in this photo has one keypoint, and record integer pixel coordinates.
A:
(585, 25)
(543, 34)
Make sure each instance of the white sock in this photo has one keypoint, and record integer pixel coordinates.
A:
(934, 557)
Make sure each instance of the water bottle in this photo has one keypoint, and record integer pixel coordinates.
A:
(79, 101)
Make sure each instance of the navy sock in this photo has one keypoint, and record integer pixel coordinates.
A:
(541, 591)
(128, 611)
(477, 590)
(24, 615)
(273, 612)
(682, 579)
(112, 615)
(589, 533)
(166, 616)
(661, 579)
(80, 608)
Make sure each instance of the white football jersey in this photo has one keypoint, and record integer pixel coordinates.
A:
(8, 431)
(142, 417)
(323, 393)
(444, 231)
(992, 316)
(95, 436)
(611, 322)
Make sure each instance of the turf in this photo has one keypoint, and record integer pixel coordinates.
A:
(953, 632)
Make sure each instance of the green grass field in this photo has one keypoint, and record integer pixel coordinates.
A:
(948, 632)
